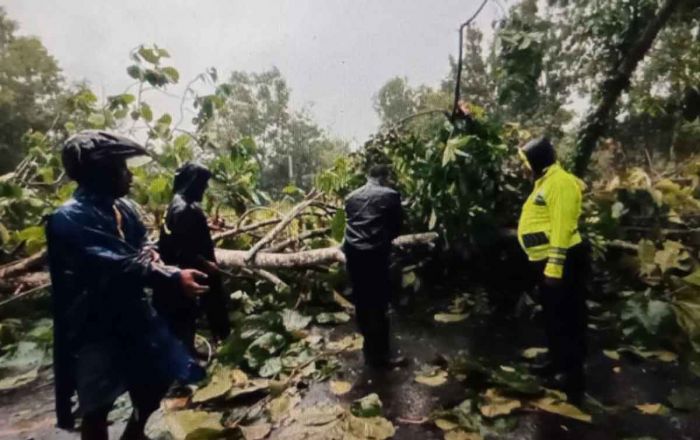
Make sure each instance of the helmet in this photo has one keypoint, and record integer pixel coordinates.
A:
(90, 148)
(539, 154)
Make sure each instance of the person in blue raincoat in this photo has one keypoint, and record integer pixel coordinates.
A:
(107, 338)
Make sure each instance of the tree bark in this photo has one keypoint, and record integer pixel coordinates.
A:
(597, 120)
(316, 257)
(233, 258)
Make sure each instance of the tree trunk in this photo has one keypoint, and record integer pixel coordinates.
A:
(597, 120)
(20, 275)
(316, 257)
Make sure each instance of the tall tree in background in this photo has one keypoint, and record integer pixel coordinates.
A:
(641, 22)
(30, 82)
(477, 84)
(291, 147)
(660, 115)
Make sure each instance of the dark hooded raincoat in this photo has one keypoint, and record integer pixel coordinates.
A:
(107, 337)
(185, 241)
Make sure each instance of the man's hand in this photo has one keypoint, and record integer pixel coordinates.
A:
(190, 280)
(552, 282)
(208, 266)
(155, 256)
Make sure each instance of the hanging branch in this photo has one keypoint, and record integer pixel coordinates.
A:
(458, 83)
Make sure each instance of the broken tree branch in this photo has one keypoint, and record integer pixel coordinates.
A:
(24, 265)
(25, 294)
(282, 245)
(268, 276)
(313, 195)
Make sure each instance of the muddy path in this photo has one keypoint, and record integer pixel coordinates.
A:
(499, 337)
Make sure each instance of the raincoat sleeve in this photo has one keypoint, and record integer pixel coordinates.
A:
(64, 383)
(191, 237)
(563, 201)
(115, 260)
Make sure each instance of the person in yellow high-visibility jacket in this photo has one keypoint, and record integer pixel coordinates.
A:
(548, 233)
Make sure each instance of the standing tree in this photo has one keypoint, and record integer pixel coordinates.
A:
(30, 83)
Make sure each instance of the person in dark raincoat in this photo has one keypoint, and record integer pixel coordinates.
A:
(373, 214)
(185, 241)
(107, 337)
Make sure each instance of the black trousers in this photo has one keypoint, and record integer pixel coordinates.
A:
(565, 312)
(371, 292)
(181, 312)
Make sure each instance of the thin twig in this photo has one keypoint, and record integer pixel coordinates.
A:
(24, 294)
(306, 235)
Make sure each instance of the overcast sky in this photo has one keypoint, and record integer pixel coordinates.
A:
(335, 54)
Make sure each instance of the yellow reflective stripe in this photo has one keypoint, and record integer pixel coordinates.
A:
(554, 270)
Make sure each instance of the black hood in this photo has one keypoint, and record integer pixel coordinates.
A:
(540, 154)
(191, 181)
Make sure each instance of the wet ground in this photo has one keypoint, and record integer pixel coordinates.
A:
(27, 413)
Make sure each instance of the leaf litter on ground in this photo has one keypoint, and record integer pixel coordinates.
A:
(431, 375)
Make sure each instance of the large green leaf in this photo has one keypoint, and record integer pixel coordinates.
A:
(368, 406)
(643, 318)
(191, 424)
(686, 305)
(21, 365)
(338, 225)
(172, 74)
(672, 256)
(293, 320)
(332, 318)
(219, 385)
(264, 348)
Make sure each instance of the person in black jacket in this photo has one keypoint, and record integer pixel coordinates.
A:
(373, 215)
(185, 241)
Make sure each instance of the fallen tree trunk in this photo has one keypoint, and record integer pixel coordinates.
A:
(227, 259)
(315, 257)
